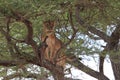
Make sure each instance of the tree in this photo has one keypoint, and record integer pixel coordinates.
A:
(21, 26)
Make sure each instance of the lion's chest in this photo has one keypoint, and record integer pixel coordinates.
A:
(53, 43)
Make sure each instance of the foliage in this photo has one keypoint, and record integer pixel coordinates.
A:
(96, 13)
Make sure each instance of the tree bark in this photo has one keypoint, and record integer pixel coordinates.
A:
(116, 67)
(58, 76)
(82, 67)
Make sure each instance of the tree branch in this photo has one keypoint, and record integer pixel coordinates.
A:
(76, 63)
(10, 63)
(73, 28)
(113, 45)
(15, 75)
(90, 28)
(114, 38)
(29, 38)
(9, 42)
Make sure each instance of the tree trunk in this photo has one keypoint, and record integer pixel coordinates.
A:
(58, 75)
(101, 77)
(116, 66)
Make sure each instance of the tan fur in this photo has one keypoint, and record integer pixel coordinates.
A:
(54, 44)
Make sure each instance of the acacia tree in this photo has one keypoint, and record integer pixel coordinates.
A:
(21, 26)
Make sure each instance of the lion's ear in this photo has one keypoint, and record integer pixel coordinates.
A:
(45, 24)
